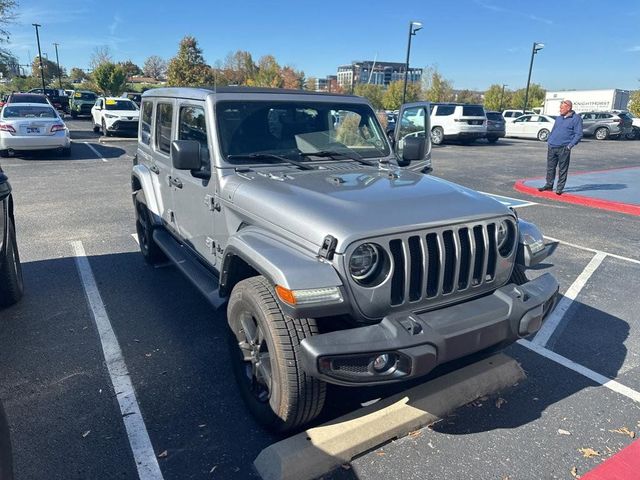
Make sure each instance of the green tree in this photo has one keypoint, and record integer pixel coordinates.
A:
(438, 89)
(373, 93)
(634, 103)
(77, 74)
(494, 100)
(130, 68)
(188, 68)
(99, 56)
(110, 79)
(310, 84)
(392, 98)
(238, 68)
(267, 73)
(7, 16)
(536, 97)
(154, 67)
(24, 84)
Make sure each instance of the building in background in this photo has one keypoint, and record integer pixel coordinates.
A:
(328, 84)
(374, 72)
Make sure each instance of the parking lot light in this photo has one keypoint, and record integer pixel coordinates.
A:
(413, 28)
(536, 47)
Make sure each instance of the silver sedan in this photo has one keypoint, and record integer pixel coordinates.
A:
(32, 126)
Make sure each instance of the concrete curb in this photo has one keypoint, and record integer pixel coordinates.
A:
(116, 139)
(312, 453)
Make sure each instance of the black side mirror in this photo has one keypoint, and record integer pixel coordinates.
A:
(413, 149)
(185, 155)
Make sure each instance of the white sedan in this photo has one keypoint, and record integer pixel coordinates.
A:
(32, 126)
(530, 126)
(111, 115)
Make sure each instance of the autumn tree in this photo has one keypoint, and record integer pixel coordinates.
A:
(77, 74)
(110, 78)
(310, 84)
(154, 67)
(467, 96)
(392, 98)
(267, 73)
(436, 87)
(7, 16)
(188, 68)
(130, 68)
(494, 99)
(49, 68)
(373, 93)
(100, 55)
(634, 103)
(292, 78)
(238, 68)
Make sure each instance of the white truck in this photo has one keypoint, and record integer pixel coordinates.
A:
(587, 100)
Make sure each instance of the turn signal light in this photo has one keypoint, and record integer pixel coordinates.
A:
(57, 127)
(5, 127)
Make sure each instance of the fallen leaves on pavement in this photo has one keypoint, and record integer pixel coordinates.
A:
(589, 452)
(624, 431)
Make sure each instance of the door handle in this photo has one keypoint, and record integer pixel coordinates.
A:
(176, 182)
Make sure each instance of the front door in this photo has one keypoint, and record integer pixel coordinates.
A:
(413, 121)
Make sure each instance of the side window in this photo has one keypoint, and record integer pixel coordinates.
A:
(412, 124)
(193, 126)
(444, 110)
(164, 117)
(145, 122)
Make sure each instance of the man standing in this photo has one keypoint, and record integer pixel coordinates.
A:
(565, 134)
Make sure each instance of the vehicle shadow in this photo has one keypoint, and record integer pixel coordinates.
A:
(590, 187)
(79, 151)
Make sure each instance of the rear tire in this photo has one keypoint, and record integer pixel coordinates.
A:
(96, 129)
(74, 115)
(437, 135)
(266, 359)
(144, 228)
(66, 152)
(543, 135)
(4, 153)
(492, 139)
(11, 284)
(602, 133)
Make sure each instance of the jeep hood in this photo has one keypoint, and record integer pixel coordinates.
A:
(354, 204)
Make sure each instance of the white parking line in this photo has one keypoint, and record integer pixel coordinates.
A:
(516, 202)
(143, 454)
(590, 374)
(545, 333)
(95, 151)
(620, 257)
(135, 237)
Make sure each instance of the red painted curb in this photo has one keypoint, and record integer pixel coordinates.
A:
(624, 465)
(579, 200)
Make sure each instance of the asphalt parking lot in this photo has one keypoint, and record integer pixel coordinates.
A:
(61, 406)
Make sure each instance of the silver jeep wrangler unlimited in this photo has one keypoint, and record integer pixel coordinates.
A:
(337, 260)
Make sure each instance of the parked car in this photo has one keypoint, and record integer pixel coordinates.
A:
(3, 99)
(335, 264)
(28, 98)
(32, 126)
(495, 126)
(530, 126)
(57, 97)
(11, 285)
(603, 125)
(81, 102)
(511, 115)
(463, 122)
(135, 97)
(115, 115)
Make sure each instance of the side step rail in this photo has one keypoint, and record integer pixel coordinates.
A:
(205, 281)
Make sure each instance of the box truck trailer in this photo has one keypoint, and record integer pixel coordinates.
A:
(587, 100)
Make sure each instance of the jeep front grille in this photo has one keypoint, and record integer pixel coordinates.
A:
(442, 263)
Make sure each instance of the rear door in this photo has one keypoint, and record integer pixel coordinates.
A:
(588, 122)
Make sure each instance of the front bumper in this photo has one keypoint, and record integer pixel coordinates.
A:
(415, 343)
(125, 126)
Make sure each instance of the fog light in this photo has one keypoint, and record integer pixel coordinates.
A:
(383, 362)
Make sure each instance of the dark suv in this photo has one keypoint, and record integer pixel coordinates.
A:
(495, 126)
(603, 125)
(57, 97)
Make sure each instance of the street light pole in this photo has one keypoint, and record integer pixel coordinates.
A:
(502, 96)
(58, 63)
(40, 55)
(413, 28)
(534, 50)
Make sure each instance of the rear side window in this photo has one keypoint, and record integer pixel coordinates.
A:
(472, 111)
(496, 117)
(145, 122)
(164, 119)
(604, 115)
(193, 126)
(444, 110)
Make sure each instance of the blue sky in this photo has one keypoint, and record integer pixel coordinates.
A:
(473, 43)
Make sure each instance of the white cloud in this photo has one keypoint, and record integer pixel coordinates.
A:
(635, 48)
(115, 24)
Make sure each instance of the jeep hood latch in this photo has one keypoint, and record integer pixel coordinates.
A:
(328, 247)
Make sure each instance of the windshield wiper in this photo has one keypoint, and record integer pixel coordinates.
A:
(334, 154)
(266, 156)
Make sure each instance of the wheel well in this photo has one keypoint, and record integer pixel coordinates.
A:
(234, 270)
(135, 184)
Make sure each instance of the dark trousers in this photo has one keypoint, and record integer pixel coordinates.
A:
(558, 157)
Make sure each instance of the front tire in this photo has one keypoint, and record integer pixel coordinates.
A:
(543, 135)
(492, 139)
(11, 284)
(266, 359)
(144, 228)
(437, 135)
(105, 132)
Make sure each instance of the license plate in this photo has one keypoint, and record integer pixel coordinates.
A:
(33, 130)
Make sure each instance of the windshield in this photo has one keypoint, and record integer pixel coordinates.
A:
(86, 96)
(20, 111)
(293, 129)
(111, 104)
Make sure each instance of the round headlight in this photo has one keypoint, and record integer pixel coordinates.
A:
(364, 262)
(503, 233)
